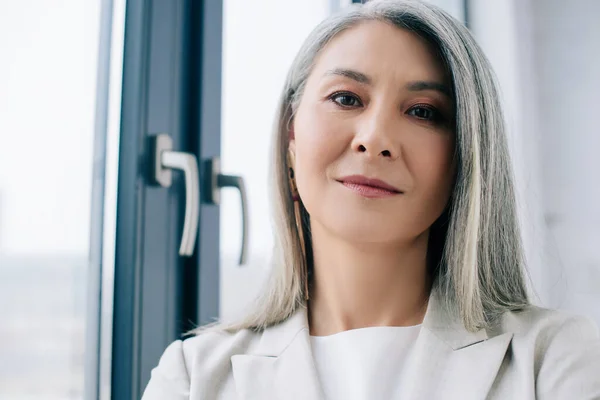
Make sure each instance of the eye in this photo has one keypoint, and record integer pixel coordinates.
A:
(345, 99)
(426, 113)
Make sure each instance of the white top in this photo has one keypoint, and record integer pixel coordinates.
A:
(365, 363)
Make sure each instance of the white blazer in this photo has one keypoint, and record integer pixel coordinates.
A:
(534, 354)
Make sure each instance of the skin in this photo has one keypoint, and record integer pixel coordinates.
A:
(370, 253)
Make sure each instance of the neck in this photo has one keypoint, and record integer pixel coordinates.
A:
(360, 285)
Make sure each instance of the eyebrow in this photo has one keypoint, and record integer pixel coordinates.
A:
(415, 86)
(349, 73)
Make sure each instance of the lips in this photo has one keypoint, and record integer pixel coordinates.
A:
(369, 187)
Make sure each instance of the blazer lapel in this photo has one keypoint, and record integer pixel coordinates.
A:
(447, 361)
(450, 362)
(282, 367)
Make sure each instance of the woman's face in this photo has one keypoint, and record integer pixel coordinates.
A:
(376, 114)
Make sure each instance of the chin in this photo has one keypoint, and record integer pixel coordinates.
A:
(366, 228)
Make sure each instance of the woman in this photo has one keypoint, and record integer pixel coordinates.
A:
(399, 269)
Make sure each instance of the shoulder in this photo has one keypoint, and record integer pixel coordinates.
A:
(214, 347)
(544, 322)
(561, 349)
(211, 349)
(542, 330)
(547, 325)
(197, 360)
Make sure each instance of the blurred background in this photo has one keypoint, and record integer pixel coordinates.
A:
(92, 283)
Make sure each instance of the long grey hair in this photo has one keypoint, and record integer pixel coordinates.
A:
(475, 250)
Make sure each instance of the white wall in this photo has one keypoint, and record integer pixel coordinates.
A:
(546, 54)
(567, 55)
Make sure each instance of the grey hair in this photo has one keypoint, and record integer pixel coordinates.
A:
(476, 244)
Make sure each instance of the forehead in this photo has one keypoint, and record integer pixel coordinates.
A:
(379, 48)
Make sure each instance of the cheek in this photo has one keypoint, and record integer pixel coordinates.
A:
(432, 166)
(318, 130)
(319, 141)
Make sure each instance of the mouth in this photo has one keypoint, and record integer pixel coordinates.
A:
(369, 187)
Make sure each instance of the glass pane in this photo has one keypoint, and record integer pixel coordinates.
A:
(259, 42)
(47, 110)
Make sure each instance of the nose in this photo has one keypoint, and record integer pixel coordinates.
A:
(376, 136)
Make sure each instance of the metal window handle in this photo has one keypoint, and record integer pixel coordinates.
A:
(166, 160)
(219, 181)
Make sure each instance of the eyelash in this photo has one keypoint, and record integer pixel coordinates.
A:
(336, 95)
(436, 118)
(437, 115)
